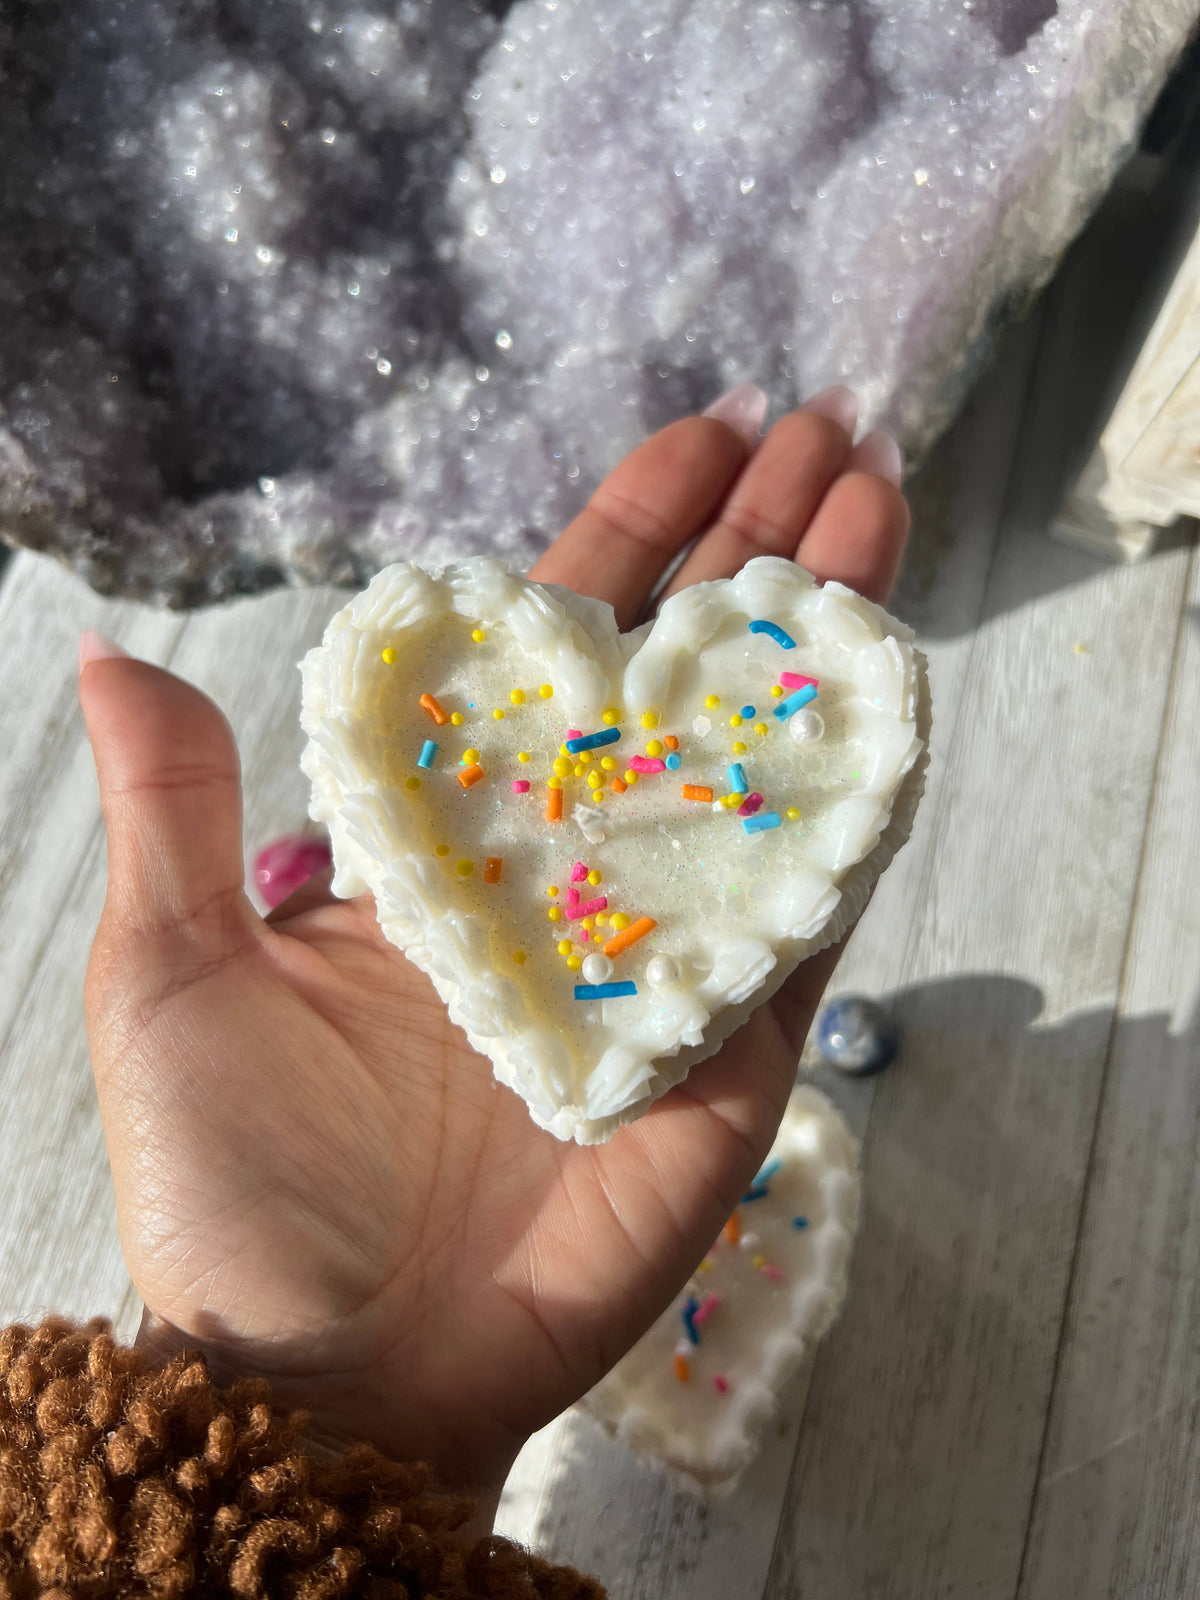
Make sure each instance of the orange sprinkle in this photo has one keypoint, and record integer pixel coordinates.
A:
(470, 775)
(553, 805)
(630, 935)
(491, 869)
(671, 742)
(697, 791)
(733, 1229)
(682, 1371)
(435, 711)
(618, 785)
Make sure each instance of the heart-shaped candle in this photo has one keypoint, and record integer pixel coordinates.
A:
(606, 849)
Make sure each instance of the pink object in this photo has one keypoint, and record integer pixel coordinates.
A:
(574, 733)
(647, 764)
(793, 680)
(750, 805)
(720, 1383)
(284, 865)
(773, 1273)
(520, 785)
(705, 1309)
(584, 935)
(588, 908)
(578, 872)
(572, 897)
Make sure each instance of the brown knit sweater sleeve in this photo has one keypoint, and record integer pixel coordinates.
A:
(119, 1478)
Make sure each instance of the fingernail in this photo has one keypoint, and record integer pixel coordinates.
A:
(743, 409)
(94, 646)
(880, 454)
(839, 404)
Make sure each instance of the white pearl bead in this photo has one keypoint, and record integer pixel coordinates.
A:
(749, 1241)
(662, 972)
(597, 969)
(806, 727)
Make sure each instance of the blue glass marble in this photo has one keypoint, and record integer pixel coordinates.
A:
(856, 1036)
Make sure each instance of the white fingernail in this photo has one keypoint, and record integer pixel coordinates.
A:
(743, 409)
(880, 454)
(839, 404)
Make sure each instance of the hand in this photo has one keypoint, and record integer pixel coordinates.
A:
(317, 1179)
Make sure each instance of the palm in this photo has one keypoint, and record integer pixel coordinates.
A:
(316, 1177)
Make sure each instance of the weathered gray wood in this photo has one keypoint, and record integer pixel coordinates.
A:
(1117, 1499)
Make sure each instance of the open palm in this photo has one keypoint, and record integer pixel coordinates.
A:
(317, 1179)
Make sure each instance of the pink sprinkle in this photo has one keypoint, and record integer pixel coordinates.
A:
(647, 764)
(520, 785)
(589, 908)
(720, 1383)
(572, 897)
(282, 867)
(793, 680)
(773, 1273)
(584, 935)
(578, 872)
(749, 805)
(705, 1309)
(574, 733)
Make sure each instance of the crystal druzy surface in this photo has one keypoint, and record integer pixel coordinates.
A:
(297, 289)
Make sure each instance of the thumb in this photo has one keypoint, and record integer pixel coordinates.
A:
(170, 790)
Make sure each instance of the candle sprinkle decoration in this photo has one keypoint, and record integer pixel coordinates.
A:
(751, 804)
(763, 822)
(588, 908)
(688, 1316)
(697, 791)
(737, 777)
(646, 764)
(492, 868)
(795, 702)
(578, 872)
(428, 703)
(720, 1383)
(520, 785)
(629, 935)
(797, 680)
(593, 741)
(680, 1365)
(674, 762)
(553, 803)
(603, 991)
(760, 1188)
(428, 754)
(470, 775)
(774, 631)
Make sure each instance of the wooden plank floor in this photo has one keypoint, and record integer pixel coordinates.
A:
(1007, 1405)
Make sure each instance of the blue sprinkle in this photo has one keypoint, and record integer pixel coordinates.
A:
(674, 761)
(793, 703)
(769, 1171)
(688, 1313)
(747, 711)
(593, 741)
(758, 1190)
(799, 1222)
(428, 751)
(776, 633)
(604, 991)
(761, 822)
(737, 778)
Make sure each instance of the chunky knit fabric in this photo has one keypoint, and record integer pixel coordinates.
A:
(117, 1478)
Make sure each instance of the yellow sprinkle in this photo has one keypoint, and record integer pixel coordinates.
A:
(565, 947)
(711, 700)
(499, 713)
(620, 920)
(589, 923)
(654, 747)
(601, 918)
(760, 1261)
(478, 635)
(517, 697)
(555, 913)
(469, 758)
(563, 751)
(612, 715)
(554, 783)
(760, 728)
(705, 1266)
(465, 868)
(608, 763)
(649, 719)
(412, 783)
(574, 962)
(739, 749)
(791, 813)
(597, 795)
(631, 776)
(776, 691)
(546, 691)
(735, 721)
(593, 877)
(457, 719)
(595, 780)
(552, 890)
(562, 766)
(730, 800)
(585, 756)
(519, 957)
(442, 850)
(578, 771)
(389, 656)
